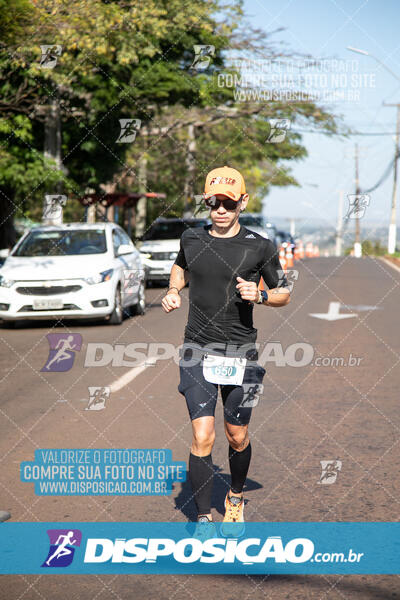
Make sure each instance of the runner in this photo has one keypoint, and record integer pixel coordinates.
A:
(224, 262)
(62, 549)
(62, 346)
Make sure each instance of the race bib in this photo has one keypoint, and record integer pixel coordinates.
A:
(226, 370)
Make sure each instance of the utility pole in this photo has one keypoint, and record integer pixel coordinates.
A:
(292, 225)
(357, 244)
(339, 226)
(392, 224)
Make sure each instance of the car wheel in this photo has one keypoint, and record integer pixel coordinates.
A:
(117, 316)
(140, 307)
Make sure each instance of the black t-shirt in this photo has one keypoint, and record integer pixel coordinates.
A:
(217, 313)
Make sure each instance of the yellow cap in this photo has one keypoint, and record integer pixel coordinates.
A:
(226, 181)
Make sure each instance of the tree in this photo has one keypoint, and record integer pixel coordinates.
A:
(60, 126)
(110, 57)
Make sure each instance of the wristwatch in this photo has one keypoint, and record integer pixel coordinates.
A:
(262, 297)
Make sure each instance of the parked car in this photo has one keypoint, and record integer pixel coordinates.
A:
(3, 255)
(160, 246)
(72, 271)
(259, 223)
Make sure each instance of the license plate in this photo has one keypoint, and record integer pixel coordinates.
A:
(47, 304)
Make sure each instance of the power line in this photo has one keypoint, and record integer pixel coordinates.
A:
(385, 175)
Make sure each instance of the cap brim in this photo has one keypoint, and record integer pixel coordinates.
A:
(224, 191)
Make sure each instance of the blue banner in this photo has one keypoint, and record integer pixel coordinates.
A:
(173, 548)
(103, 472)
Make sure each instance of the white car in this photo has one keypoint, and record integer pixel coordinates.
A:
(161, 243)
(259, 223)
(71, 271)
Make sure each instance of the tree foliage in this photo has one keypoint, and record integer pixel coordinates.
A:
(124, 59)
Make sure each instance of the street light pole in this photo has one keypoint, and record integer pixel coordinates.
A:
(392, 225)
(357, 244)
(339, 227)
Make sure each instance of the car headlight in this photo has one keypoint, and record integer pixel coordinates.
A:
(103, 276)
(173, 255)
(6, 282)
(145, 254)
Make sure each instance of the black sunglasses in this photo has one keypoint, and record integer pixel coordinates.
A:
(227, 203)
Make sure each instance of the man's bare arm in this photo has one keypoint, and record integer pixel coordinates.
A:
(177, 281)
(178, 278)
(279, 296)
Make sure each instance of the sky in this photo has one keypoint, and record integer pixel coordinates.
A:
(323, 28)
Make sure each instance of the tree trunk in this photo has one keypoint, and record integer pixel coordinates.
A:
(141, 206)
(52, 140)
(190, 161)
(8, 233)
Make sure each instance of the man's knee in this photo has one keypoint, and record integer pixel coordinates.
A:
(237, 438)
(203, 438)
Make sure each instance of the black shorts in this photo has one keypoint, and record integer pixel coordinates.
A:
(201, 395)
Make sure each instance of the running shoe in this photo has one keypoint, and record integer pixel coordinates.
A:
(205, 529)
(233, 523)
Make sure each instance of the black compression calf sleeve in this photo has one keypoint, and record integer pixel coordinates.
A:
(201, 474)
(239, 465)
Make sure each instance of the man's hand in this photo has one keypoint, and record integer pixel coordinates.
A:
(247, 289)
(171, 301)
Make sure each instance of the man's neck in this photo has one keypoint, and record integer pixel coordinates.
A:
(225, 232)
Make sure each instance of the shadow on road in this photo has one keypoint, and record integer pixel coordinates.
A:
(185, 503)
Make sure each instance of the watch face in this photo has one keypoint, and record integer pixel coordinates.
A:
(264, 295)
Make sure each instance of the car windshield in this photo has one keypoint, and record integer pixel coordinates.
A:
(247, 220)
(69, 242)
(169, 230)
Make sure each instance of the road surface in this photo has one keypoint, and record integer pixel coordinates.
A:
(320, 411)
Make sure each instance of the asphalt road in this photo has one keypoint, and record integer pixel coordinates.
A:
(307, 414)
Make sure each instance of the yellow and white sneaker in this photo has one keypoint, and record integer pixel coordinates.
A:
(233, 523)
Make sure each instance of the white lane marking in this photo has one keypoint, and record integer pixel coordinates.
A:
(333, 313)
(127, 377)
(389, 262)
(360, 307)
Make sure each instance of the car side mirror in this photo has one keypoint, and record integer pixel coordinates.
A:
(124, 249)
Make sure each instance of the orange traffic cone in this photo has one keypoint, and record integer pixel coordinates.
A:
(289, 256)
(309, 250)
(301, 250)
(261, 284)
(282, 258)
